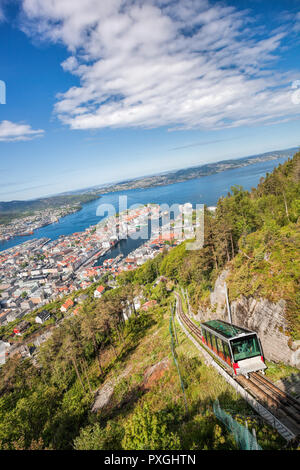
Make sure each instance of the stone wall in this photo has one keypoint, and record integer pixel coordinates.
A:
(217, 300)
(268, 320)
(260, 315)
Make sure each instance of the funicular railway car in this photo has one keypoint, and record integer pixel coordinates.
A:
(237, 348)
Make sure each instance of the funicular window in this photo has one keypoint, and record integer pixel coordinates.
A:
(226, 353)
(220, 348)
(209, 341)
(219, 345)
(214, 343)
(205, 335)
(244, 348)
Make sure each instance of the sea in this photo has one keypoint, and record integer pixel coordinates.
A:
(205, 190)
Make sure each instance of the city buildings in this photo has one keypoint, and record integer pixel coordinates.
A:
(40, 271)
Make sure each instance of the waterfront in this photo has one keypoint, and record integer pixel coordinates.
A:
(40, 271)
(204, 190)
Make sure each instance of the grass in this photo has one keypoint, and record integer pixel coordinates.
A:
(279, 371)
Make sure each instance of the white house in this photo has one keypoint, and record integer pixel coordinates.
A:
(42, 317)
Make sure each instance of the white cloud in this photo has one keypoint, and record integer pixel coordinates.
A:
(12, 132)
(2, 15)
(155, 63)
(297, 23)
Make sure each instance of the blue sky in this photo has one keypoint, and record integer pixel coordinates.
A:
(103, 91)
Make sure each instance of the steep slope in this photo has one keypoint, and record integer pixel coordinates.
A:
(99, 382)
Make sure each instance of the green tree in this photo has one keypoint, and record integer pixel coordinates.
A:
(147, 430)
(95, 437)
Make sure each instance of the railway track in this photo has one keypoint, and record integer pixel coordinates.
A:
(281, 405)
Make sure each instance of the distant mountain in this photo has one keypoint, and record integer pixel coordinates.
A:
(185, 174)
(18, 208)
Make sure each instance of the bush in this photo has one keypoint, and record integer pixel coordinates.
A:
(97, 438)
(147, 430)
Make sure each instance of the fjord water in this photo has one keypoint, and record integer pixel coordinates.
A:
(204, 190)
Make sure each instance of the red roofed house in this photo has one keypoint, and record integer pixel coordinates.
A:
(148, 305)
(69, 303)
(98, 292)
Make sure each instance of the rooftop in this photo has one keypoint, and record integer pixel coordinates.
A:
(225, 329)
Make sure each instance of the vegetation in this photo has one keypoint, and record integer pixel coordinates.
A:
(148, 430)
(51, 401)
(46, 404)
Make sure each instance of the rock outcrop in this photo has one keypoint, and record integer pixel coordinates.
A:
(217, 301)
(154, 373)
(269, 321)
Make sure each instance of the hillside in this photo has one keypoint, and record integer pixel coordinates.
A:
(16, 209)
(100, 382)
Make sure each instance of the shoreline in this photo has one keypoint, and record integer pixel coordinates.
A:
(79, 224)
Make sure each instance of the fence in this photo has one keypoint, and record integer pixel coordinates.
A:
(244, 439)
(172, 327)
